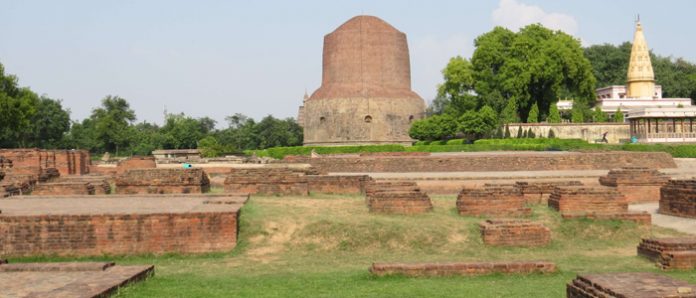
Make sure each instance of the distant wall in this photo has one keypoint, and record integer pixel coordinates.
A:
(616, 132)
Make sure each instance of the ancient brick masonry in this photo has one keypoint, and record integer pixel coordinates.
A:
(63, 188)
(99, 183)
(32, 161)
(678, 198)
(492, 201)
(637, 284)
(397, 198)
(670, 253)
(594, 203)
(162, 181)
(514, 232)
(136, 162)
(118, 225)
(267, 181)
(637, 184)
(482, 162)
(539, 192)
(344, 184)
(454, 268)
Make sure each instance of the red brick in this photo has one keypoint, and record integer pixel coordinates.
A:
(457, 268)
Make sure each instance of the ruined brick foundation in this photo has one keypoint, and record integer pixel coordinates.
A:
(162, 181)
(492, 201)
(678, 198)
(466, 269)
(636, 284)
(397, 198)
(637, 184)
(670, 253)
(594, 203)
(514, 232)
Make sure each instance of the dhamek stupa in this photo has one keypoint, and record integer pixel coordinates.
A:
(365, 95)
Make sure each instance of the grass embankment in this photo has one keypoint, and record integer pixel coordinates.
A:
(458, 145)
(322, 246)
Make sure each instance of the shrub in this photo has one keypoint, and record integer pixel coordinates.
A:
(533, 114)
(551, 134)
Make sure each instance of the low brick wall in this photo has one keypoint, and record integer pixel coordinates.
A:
(635, 284)
(670, 253)
(267, 181)
(162, 181)
(136, 225)
(637, 184)
(136, 162)
(492, 201)
(63, 188)
(603, 203)
(33, 160)
(487, 161)
(466, 269)
(538, 192)
(397, 198)
(507, 232)
(100, 183)
(338, 184)
(678, 198)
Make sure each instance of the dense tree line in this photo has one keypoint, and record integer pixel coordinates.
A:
(30, 120)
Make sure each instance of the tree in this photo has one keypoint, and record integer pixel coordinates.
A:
(533, 116)
(520, 134)
(509, 113)
(110, 123)
(554, 114)
(580, 112)
(436, 127)
(183, 132)
(457, 90)
(49, 124)
(598, 115)
(532, 65)
(552, 135)
(476, 125)
(210, 147)
(507, 132)
(618, 115)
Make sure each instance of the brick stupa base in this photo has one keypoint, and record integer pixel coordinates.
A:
(670, 253)
(637, 284)
(456, 268)
(267, 181)
(514, 232)
(88, 279)
(492, 201)
(397, 198)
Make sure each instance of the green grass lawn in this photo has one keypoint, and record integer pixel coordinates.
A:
(322, 246)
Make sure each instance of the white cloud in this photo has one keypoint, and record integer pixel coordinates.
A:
(514, 15)
(429, 55)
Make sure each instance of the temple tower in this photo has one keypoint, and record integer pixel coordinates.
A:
(641, 79)
(365, 95)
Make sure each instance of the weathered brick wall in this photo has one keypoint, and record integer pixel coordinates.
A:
(267, 181)
(32, 161)
(507, 232)
(100, 183)
(492, 201)
(117, 234)
(678, 198)
(488, 162)
(397, 198)
(637, 184)
(136, 162)
(634, 284)
(603, 203)
(162, 181)
(63, 188)
(539, 191)
(670, 253)
(338, 184)
(456, 268)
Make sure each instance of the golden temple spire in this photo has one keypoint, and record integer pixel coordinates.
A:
(641, 79)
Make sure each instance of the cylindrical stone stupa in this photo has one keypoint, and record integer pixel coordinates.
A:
(365, 95)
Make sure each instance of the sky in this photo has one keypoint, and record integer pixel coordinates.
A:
(218, 58)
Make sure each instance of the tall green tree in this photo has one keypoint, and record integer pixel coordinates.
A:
(554, 114)
(618, 115)
(111, 123)
(533, 65)
(509, 113)
(533, 116)
(598, 115)
(457, 90)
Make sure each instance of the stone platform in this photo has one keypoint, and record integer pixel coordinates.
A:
(118, 225)
(670, 253)
(89, 279)
(460, 268)
(637, 284)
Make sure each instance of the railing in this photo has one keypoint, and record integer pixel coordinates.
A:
(667, 135)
